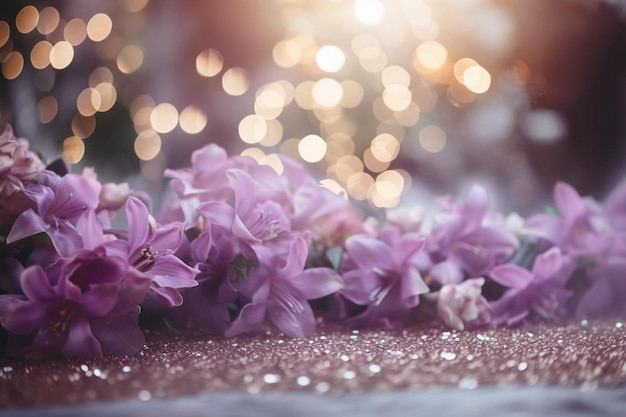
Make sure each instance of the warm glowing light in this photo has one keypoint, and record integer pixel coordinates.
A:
(27, 19)
(129, 59)
(12, 65)
(477, 79)
(192, 120)
(88, 101)
(346, 166)
(389, 184)
(5, 32)
(134, 6)
(73, 149)
(252, 128)
(409, 116)
(147, 145)
(99, 27)
(40, 54)
(48, 108)
(48, 20)
(461, 65)
(287, 53)
(360, 185)
(75, 31)
(352, 94)
(372, 163)
(432, 55)
(209, 63)
(61, 55)
(395, 75)
(255, 153)
(83, 126)
(274, 133)
(397, 97)
(164, 118)
(312, 148)
(459, 95)
(330, 58)
(235, 81)
(270, 100)
(108, 96)
(304, 95)
(327, 92)
(369, 12)
(432, 138)
(372, 59)
(385, 147)
(381, 111)
(100, 75)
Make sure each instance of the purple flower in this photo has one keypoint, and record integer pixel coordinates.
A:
(79, 307)
(60, 203)
(281, 292)
(608, 289)
(582, 226)
(380, 274)
(541, 290)
(467, 240)
(150, 249)
(462, 305)
(261, 229)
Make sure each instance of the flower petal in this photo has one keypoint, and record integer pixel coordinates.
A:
(168, 237)
(27, 224)
(250, 319)
(294, 323)
(567, 200)
(547, 264)
(317, 282)
(245, 193)
(511, 276)
(99, 300)
(369, 253)
(139, 229)
(80, 342)
(170, 271)
(361, 286)
(119, 335)
(90, 230)
(35, 284)
(296, 259)
(20, 316)
(411, 286)
(168, 296)
(475, 207)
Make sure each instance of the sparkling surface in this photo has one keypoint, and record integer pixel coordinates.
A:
(337, 360)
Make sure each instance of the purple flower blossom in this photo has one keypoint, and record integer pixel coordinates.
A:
(79, 307)
(281, 292)
(582, 226)
(541, 290)
(150, 249)
(467, 240)
(380, 274)
(60, 203)
(462, 305)
(261, 229)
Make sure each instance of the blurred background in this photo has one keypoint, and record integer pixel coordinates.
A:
(391, 102)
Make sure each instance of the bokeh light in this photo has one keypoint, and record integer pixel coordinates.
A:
(99, 27)
(192, 120)
(129, 59)
(330, 58)
(209, 63)
(12, 65)
(73, 149)
(163, 119)
(147, 145)
(27, 19)
(235, 81)
(312, 148)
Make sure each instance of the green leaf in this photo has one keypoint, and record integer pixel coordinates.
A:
(551, 210)
(335, 255)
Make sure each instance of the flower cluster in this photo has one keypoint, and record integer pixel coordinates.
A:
(239, 247)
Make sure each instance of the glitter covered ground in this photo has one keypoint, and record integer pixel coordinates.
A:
(581, 355)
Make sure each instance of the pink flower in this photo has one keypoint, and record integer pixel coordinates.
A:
(462, 305)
